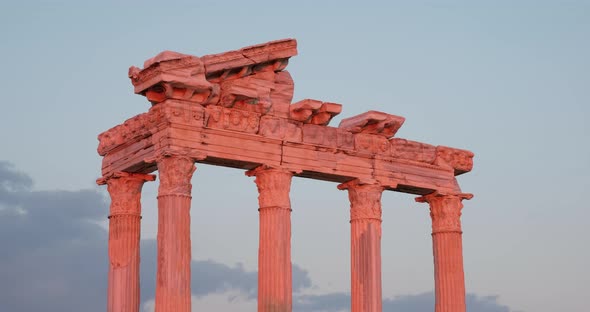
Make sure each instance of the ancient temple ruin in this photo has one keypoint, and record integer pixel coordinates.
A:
(234, 109)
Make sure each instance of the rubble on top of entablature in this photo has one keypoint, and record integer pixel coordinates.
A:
(314, 112)
(250, 79)
(272, 55)
(373, 122)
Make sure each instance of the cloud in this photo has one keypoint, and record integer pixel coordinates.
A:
(210, 277)
(53, 252)
(424, 302)
(54, 258)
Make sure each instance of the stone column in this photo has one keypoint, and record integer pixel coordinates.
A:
(274, 249)
(365, 240)
(124, 233)
(449, 280)
(173, 288)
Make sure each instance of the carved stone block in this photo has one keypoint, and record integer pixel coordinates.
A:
(370, 143)
(320, 135)
(282, 94)
(172, 75)
(344, 139)
(251, 93)
(373, 122)
(261, 53)
(184, 113)
(232, 119)
(314, 112)
(460, 160)
(411, 150)
(280, 128)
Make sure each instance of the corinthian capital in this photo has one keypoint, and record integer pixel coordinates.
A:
(445, 211)
(175, 173)
(365, 199)
(274, 185)
(125, 191)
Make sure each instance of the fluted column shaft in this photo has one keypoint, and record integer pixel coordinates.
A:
(274, 249)
(124, 234)
(173, 288)
(365, 241)
(449, 278)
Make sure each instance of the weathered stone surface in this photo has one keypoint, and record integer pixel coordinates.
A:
(280, 128)
(314, 112)
(124, 234)
(274, 251)
(172, 75)
(232, 119)
(365, 242)
(460, 160)
(411, 150)
(282, 94)
(173, 287)
(449, 280)
(262, 53)
(373, 122)
(234, 109)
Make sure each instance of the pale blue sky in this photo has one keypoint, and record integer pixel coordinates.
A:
(508, 80)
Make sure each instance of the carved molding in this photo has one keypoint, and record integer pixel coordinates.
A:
(275, 53)
(175, 174)
(460, 160)
(445, 211)
(147, 124)
(365, 199)
(314, 112)
(234, 109)
(370, 143)
(411, 150)
(125, 212)
(280, 128)
(232, 119)
(125, 191)
(274, 185)
(373, 122)
(172, 75)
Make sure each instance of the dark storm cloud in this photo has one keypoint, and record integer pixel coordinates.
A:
(53, 257)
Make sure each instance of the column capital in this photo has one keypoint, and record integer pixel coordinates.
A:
(266, 168)
(269, 181)
(125, 191)
(360, 182)
(365, 199)
(125, 176)
(176, 172)
(445, 210)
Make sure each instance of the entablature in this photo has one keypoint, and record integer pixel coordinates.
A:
(234, 109)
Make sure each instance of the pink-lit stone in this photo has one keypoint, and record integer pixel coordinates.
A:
(274, 249)
(373, 122)
(124, 234)
(365, 241)
(460, 160)
(449, 279)
(270, 52)
(173, 288)
(234, 109)
(172, 75)
(314, 112)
